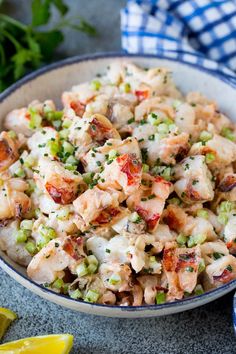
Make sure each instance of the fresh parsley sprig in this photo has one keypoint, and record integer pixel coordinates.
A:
(26, 47)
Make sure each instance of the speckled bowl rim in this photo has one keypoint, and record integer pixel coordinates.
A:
(196, 300)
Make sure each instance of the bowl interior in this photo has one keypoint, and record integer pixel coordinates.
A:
(50, 82)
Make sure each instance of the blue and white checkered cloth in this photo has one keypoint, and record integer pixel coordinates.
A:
(201, 32)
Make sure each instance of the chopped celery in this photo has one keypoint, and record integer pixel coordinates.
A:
(205, 136)
(203, 213)
(114, 279)
(68, 147)
(58, 283)
(160, 298)
(26, 224)
(82, 269)
(92, 296)
(196, 240)
(22, 236)
(30, 247)
(76, 294)
(210, 157)
(96, 85)
(198, 290)
(181, 239)
(201, 266)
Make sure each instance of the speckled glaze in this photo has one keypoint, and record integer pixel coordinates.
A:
(49, 82)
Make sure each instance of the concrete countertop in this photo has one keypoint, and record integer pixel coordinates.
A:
(207, 329)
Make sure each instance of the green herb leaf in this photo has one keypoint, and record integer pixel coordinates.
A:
(40, 12)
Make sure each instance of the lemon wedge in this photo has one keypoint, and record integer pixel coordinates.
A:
(51, 344)
(6, 317)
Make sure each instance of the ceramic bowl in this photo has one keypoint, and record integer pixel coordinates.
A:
(49, 82)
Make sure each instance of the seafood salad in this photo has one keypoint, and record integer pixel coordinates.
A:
(126, 195)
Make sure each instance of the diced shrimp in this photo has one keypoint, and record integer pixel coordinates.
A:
(49, 263)
(208, 249)
(167, 149)
(86, 132)
(98, 205)
(124, 173)
(37, 143)
(175, 217)
(194, 180)
(120, 111)
(8, 151)
(150, 285)
(185, 118)
(181, 268)
(13, 201)
(220, 271)
(16, 251)
(62, 185)
(153, 105)
(223, 150)
(98, 105)
(126, 146)
(149, 201)
(230, 233)
(122, 271)
(108, 298)
(18, 120)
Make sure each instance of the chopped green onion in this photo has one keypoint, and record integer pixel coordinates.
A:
(96, 85)
(210, 157)
(131, 120)
(114, 279)
(205, 136)
(217, 255)
(203, 213)
(54, 115)
(30, 247)
(26, 224)
(88, 177)
(92, 296)
(160, 298)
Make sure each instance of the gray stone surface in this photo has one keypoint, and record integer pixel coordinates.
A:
(204, 330)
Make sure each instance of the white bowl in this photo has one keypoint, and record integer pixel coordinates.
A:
(49, 82)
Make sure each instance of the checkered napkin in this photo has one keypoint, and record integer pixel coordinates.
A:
(200, 32)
